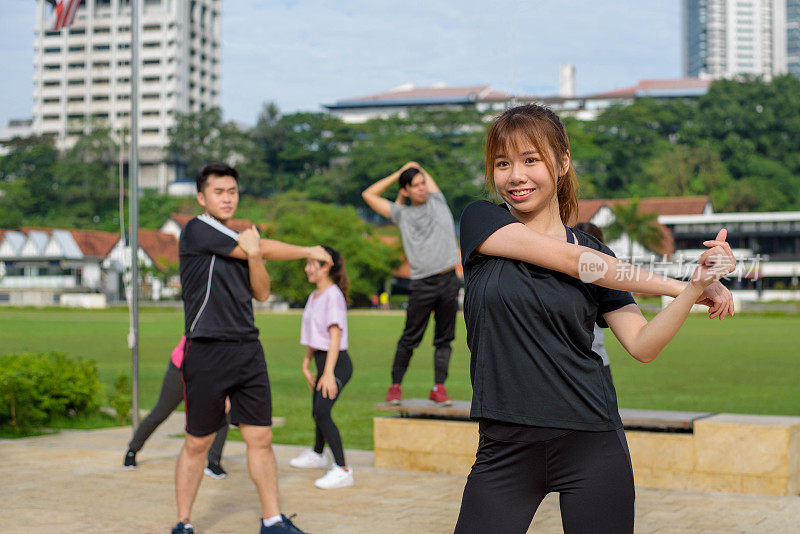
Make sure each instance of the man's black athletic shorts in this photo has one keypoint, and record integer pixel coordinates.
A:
(214, 369)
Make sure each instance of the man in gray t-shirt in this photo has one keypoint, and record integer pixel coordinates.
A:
(429, 242)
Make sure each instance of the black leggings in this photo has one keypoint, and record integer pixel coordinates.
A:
(511, 476)
(437, 294)
(326, 430)
(170, 397)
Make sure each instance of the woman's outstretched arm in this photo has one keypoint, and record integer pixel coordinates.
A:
(517, 241)
(645, 340)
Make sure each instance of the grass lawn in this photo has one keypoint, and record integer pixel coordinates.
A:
(750, 364)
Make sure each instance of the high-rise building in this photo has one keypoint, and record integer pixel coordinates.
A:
(724, 38)
(82, 74)
(793, 36)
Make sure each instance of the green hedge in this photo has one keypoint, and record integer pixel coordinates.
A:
(35, 387)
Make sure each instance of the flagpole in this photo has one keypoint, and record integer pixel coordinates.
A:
(134, 212)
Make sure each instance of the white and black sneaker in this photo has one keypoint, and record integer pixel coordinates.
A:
(309, 459)
(215, 471)
(130, 460)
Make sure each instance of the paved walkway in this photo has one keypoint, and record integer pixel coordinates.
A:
(73, 482)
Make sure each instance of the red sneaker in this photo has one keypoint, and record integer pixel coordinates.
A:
(439, 395)
(395, 394)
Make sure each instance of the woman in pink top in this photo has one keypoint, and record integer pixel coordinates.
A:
(324, 333)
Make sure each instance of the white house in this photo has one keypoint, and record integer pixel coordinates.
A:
(40, 266)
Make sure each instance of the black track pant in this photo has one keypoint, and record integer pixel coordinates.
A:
(169, 399)
(326, 429)
(437, 294)
(590, 470)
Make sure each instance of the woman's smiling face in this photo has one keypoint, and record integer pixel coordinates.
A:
(523, 179)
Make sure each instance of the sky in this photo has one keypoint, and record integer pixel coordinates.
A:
(305, 53)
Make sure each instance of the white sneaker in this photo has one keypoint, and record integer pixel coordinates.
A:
(309, 459)
(337, 477)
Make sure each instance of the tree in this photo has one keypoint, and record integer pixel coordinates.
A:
(369, 262)
(689, 170)
(588, 158)
(629, 135)
(638, 226)
(449, 144)
(754, 125)
(201, 137)
(26, 180)
(86, 179)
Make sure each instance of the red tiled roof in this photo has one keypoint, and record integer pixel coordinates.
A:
(588, 208)
(646, 86)
(94, 243)
(159, 246)
(659, 205)
(482, 93)
(674, 205)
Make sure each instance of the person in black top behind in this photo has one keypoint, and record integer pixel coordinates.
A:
(545, 403)
(221, 272)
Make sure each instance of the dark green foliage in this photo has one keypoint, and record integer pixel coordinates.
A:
(76, 189)
(37, 387)
(369, 262)
(26, 178)
(640, 227)
(202, 137)
(86, 178)
(739, 144)
(154, 209)
(627, 136)
(121, 397)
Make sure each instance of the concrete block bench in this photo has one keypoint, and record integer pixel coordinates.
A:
(697, 451)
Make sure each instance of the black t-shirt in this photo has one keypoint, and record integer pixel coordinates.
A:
(217, 298)
(530, 332)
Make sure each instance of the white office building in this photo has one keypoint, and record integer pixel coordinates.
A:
(726, 38)
(82, 74)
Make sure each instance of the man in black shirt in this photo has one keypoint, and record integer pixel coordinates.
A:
(221, 272)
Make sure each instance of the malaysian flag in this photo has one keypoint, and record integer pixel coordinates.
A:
(64, 14)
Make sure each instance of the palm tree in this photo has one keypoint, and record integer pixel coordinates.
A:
(640, 227)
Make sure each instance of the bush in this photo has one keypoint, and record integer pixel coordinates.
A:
(35, 387)
(121, 399)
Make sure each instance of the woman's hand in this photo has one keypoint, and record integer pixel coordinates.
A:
(310, 378)
(327, 386)
(714, 263)
(719, 300)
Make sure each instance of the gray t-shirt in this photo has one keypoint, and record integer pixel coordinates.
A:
(429, 235)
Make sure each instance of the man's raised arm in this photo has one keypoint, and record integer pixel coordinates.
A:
(429, 183)
(373, 195)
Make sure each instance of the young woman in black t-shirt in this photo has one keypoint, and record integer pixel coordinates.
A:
(534, 290)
